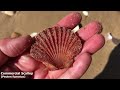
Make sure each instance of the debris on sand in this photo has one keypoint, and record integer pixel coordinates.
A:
(33, 34)
(115, 40)
(15, 34)
(9, 13)
(76, 29)
(85, 13)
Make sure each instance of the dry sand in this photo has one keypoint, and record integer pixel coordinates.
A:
(105, 63)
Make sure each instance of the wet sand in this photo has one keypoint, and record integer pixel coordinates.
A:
(103, 65)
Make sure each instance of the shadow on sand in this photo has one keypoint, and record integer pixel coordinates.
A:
(112, 68)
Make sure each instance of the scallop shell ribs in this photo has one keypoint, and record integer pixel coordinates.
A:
(56, 47)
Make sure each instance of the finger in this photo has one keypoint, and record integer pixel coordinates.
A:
(89, 30)
(80, 66)
(16, 46)
(93, 44)
(10, 67)
(55, 74)
(27, 63)
(5, 69)
(24, 63)
(3, 58)
(70, 21)
(41, 72)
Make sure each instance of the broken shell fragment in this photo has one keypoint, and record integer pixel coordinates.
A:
(15, 34)
(9, 13)
(56, 47)
(115, 40)
(85, 13)
(33, 34)
(76, 29)
(109, 36)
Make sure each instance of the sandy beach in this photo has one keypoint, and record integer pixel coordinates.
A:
(105, 63)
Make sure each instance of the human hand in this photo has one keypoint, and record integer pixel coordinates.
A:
(14, 53)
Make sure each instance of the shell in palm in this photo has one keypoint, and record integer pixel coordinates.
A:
(56, 47)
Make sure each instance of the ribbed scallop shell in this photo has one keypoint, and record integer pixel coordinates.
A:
(56, 47)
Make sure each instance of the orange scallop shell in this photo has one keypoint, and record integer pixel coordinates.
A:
(56, 47)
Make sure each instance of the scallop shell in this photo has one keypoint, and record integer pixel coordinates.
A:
(56, 47)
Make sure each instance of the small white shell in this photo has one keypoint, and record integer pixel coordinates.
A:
(109, 36)
(15, 34)
(76, 29)
(33, 34)
(9, 13)
(85, 13)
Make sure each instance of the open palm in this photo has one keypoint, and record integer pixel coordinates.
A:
(14, 52)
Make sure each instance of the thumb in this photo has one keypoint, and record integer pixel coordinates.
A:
(13, 47)
(80, 66)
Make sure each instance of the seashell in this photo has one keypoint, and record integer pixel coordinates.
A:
(85, 13)
(76, 29)
(9, 13)
(56, 47)
(15, 35)
(33, 34)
